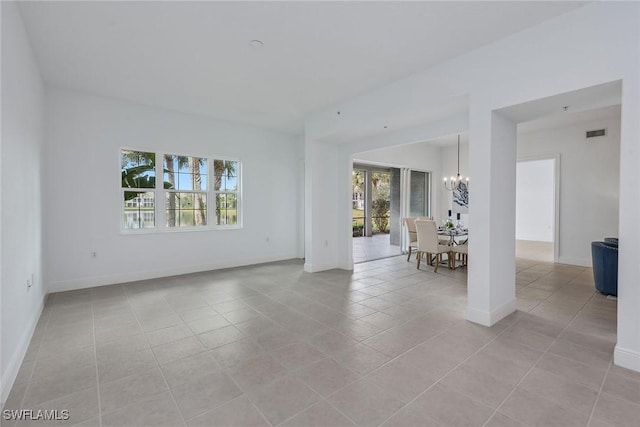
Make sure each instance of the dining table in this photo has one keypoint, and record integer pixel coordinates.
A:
(452, 233)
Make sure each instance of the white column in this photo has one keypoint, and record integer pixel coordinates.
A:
(325, 218)
(492, 210)
(627, 350)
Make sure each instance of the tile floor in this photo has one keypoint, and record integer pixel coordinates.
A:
(385, 345)
(372, 248)
(534, 250)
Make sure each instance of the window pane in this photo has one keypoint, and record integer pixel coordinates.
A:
(186, 218)
(185, 173)
(170, 168)
(138, 210)
(230, 183)
(186, 209)
(138, 169)
(226, 209)
(225, 168)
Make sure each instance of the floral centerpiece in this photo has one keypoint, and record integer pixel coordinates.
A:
(448, 224)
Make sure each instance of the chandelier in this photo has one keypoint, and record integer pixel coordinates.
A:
(455, 183)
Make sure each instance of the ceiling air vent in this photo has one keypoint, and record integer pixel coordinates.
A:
(594, 133)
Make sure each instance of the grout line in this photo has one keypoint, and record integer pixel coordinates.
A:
(595, 402)
(95, 358)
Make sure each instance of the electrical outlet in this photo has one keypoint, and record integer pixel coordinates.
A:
(29, 284)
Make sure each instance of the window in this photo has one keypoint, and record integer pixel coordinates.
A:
(187, 187)
(226, 191)
(138, 169)
(186, 192)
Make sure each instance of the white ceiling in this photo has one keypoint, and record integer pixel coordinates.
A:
(195, 56)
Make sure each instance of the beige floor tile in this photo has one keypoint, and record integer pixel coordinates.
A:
(560, 390)
(360, 358)
(513, 351)
(59, 384)
(622, 387)
(588, 341)
(222, 336)
(357, 329)
(242, 315)
(297, 355)
(232, 354)
(125, 364)
(365, 403)
(167, 335)
(480, 385)
(175, 350)
(326, 376)
(159, 410)
(332, 341)
(282, 399)
(257, 371)
(204, 392)
(131, 390)
(528, 337)
(275, 339)
(62, 362)
(588, 356)
(155, 323)
(451, 408)
(189, 368)
(240, 412)
(125, 344)
(615, 369)
(412, 415)
(501, 420)
(322, 414)
(616, 412)
(573, 371)
(537, 411)
(208, 324)
(404, 378)
(196, 313)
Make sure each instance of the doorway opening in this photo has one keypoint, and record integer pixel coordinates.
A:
(372, 215)
(536, 209)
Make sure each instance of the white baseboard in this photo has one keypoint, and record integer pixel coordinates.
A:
(314, 268)
(490, 318)
(626, 358)
(10, 374)
(582, 262)
(110, 279)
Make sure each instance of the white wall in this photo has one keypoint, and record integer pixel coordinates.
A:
(535, 196)
(83, 199)
(22, 141)
(589, 183)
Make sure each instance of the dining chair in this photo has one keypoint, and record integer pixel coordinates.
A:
(428, 244)
(462, 251)
(413, 236)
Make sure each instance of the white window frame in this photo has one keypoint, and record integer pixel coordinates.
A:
(160, 196)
